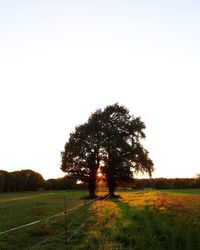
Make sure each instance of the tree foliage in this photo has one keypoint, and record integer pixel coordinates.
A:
(24, 180)
(61, 183)
(81, 156)
(109, 141)
(165, 183)
(120, 140)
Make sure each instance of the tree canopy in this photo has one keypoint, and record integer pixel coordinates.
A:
(23, 180)
(110, 141)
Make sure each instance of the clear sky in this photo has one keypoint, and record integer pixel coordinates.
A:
(61, 60)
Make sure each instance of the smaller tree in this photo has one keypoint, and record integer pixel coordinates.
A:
(5, 181)
(53, 184)
(80, 159)
(35, 181)
(21, 183)
(12, 181)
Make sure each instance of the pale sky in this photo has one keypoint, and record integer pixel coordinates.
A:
(61, 60)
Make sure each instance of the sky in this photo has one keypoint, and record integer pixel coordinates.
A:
(60, 60)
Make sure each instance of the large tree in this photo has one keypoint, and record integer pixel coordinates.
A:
(109, 141)
(121, 136)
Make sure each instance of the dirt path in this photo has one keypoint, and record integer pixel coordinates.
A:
(23, 197)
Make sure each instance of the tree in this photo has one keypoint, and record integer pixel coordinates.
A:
(22, 180)
(61, 183)
(6, 180)
(35, 181)
(12, 181)
(120, 143)
(109, 141)
(2, 180)
(28, 180)
(80, 159)
(53, 184)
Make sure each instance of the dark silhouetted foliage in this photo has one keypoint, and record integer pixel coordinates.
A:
(62, 183)
(165, 183)
(81, 157)
(29, 180)
(24, 180)
(2, 181)
(109, 141)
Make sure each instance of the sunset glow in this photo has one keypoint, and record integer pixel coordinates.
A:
(99, 174)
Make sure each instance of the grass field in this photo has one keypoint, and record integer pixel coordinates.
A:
(150, 219)
(17, 209)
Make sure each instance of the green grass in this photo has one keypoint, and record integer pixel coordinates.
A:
(152, 229)
(142, 227)
(17, 209)
(182, 191)
(26, 207)
(130, 222)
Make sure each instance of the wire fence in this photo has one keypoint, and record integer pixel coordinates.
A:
(85, 218)
(71, 222)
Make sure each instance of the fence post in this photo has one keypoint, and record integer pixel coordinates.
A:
(65, 205)
(85, 215)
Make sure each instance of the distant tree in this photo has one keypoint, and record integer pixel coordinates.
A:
(2, 180)
(109, 141)
(53, 184)
(143, 183)
(6, 179)
(28, 180)
(61, 183)
(12, 182)
(35, 181)
(68, 183)
(162, 183)
(22, 179)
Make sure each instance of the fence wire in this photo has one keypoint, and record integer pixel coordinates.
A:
(45, 219)
(86, 219)
(72, 227)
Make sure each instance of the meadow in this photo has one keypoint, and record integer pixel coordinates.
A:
(141, 219)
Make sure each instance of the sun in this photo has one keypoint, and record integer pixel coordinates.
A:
(99, 174)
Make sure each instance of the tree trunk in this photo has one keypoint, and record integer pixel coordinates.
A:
(91, 192)
(92, 187)
(92, 182)
(111, 184)
(111, 192)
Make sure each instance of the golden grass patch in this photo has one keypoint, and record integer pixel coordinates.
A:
(185, 207)
(105, 211)
(142, 198)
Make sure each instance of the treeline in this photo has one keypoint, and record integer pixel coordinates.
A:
(29, 180)
(23, 180)
(164, 183)
(63, 183)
